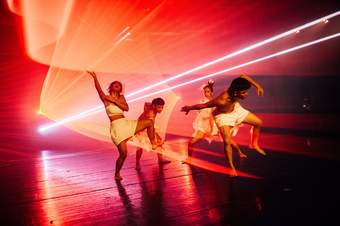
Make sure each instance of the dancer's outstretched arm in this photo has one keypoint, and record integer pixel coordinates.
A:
(209, 104)
(257, 86)
(119, 101)
(97, 85)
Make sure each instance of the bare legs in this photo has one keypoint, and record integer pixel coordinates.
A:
(199, 136)
(139, 153)
(157, 141)
(226, 137)
(235, 145)
(160, 142)
(141, 125)
(256, 124)
(149, 125)
(122, 156)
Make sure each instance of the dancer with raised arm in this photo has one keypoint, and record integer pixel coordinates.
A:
(228, 113)
(204, 125)
(121, 129)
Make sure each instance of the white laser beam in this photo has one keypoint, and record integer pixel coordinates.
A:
(100, 108)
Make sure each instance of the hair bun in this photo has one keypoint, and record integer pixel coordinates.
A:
(209, 85)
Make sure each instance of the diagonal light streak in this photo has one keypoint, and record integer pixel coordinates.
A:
(251, 47)
(100, 108)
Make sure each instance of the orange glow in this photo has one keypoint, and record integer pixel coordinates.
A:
(50, 209)
(141, 43)
(177, 150)
(39, 112)
(55, 176)
(95, 126)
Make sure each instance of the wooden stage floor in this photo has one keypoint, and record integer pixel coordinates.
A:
(75, 186)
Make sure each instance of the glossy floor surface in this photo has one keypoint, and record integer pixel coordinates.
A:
(73, 185)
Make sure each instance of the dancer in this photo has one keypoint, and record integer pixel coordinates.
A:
(150, 112)
(121, 128)
(229, 113)
(204, 124)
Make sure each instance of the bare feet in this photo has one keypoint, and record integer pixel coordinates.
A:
(233, 173)
(258, 149)
(160, 144)
(242, 155)
(154, 146)
(118, 177)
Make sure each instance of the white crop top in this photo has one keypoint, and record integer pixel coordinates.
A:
(112, 109)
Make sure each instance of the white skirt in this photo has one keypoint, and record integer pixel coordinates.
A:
(233, 118)
(203, 125)
(122, 129)
(141, 139)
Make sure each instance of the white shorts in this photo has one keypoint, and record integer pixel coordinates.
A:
(233, 118)
(122, 129)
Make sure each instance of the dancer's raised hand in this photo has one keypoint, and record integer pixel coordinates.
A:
(259, 90)
(92, 73)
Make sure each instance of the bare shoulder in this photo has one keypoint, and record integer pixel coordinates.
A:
(222, 98)
(106, 99)
(224, 95)
(147, 106)
(122, 97)
(142, 116)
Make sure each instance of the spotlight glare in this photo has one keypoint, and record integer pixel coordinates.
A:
(240, 66)
(100, 108)
(125, 34)
(256, 45)
(246, 49)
